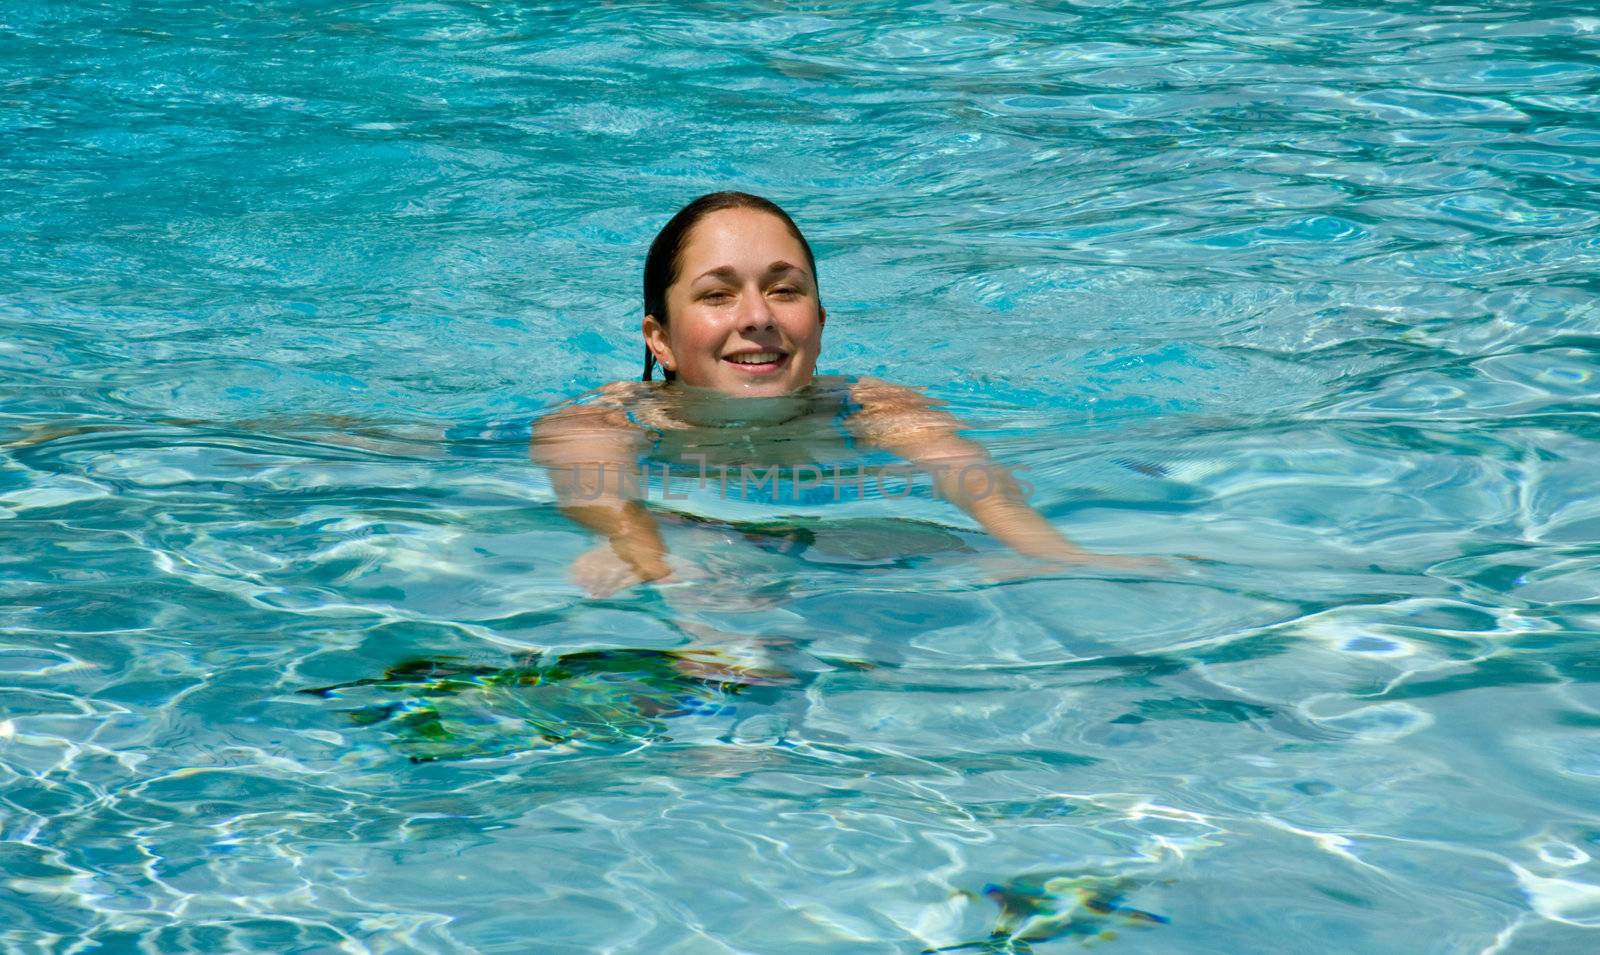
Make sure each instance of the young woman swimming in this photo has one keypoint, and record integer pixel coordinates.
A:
(732, 311)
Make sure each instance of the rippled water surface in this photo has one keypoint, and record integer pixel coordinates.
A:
(288, 656)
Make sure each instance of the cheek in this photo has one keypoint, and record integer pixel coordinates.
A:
(696, 336)
(805, 327)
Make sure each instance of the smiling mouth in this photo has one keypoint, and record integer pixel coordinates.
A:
(757, 360)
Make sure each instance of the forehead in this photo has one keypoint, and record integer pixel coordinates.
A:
(733, 236)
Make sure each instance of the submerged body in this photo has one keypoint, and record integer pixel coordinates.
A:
(593, 452)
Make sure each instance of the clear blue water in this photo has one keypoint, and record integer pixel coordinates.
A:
(1304, 288)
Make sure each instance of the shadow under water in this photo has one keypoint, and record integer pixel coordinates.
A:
(444, 709)
(1049, 907)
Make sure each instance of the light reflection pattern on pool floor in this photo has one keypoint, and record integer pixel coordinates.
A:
(287, 657)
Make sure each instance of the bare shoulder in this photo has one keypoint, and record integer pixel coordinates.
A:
(613, 405)
(874, 395)
(878, 400)
(578, 416)
(597, 422)
(895, 416)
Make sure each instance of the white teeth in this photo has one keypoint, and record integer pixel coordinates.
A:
(755, 358)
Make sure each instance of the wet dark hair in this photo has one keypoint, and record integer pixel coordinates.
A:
(662, 263)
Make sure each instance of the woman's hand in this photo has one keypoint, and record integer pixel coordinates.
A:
(601, 572)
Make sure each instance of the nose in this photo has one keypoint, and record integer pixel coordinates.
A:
(756, 314)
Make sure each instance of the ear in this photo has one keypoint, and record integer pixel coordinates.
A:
(655, 339)
(822, 316)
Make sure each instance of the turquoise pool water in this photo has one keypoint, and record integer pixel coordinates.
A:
(1306, 289)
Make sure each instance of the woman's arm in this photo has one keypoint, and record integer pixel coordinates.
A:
(591, 452)
(904, 423)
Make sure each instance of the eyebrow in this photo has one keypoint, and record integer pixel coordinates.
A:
(728, 272)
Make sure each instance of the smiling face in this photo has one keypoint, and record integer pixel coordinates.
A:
(745, 318)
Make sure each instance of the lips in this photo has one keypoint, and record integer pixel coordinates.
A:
(755, 357)
(756, 360)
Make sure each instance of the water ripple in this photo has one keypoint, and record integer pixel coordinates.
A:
(1303, 290)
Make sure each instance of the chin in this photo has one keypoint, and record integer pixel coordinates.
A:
(769, 389)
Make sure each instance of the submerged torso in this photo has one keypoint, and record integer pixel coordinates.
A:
(787, 474)
(806, 428)
(795, 450)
